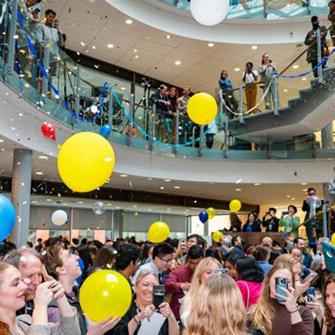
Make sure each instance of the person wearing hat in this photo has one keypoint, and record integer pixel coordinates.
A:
(311, 41)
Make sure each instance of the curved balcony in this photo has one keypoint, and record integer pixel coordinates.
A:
(265, 9)
(50, 80)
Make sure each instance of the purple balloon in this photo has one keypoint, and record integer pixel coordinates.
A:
(203, 216)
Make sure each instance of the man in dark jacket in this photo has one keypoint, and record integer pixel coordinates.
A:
(331, 18)
(311, 41)
(270, 221)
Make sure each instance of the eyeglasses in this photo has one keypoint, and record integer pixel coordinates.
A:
(166, 260)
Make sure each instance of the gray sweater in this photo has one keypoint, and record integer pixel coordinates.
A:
(67, 326)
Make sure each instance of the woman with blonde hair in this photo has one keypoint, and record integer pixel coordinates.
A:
(203, 271)
(277, 314)
(218, 309)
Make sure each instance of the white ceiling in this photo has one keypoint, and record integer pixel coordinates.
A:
(97, 24)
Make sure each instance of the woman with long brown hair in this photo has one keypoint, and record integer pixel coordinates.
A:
(218, 309)
(329, 301)
(277, 314)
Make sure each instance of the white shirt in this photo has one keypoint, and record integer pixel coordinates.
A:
(250, 78)
(50, 35)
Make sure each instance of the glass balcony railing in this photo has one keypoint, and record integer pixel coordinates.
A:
(85, 100)
(268, 9)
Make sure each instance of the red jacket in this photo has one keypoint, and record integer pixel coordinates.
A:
(172, 286)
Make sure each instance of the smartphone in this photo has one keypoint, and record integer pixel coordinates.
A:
(280, 284)
(310, 294)
(221, 271)
(158, 295)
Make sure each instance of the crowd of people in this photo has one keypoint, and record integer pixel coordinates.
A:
(46, 36)
(230, 287)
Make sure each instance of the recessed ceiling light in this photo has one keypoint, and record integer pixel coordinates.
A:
(123, 88)
(43, 157)
(256, 184)
(238, 181)
(288, 196)
(295, 66)
(237, 69)
(129, 21)
(110, 46)
(80, 202)
(135, 206)
(162, 187)
(293, 199)
(303, 79)
(1, 141)
(123, 175)
(49, 200)
(177, 62)
(168, 36)
(82, 44)
(136, 56)
(39, 173)
(135, 50)
(237, 189)
(304, 190)
(167, 180)
(210, 44)
(93, 47)
(303, 184)
(285, 90)
(177, 187)
(254, 47)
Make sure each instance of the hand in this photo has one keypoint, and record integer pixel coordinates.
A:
(315, 307)
(147, 312)
(44, 294)
(102, 327)
(57, 289)
(301, 288)
(185, 286)
(290, 300)
(165, 310)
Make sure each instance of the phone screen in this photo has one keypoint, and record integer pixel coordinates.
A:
(158, 295)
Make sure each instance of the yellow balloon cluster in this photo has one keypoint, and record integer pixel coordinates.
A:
(211, 212)
(202, 108)
(85, 161)
(217, 235)
(158, 232)
(105, 294)
(235, 205)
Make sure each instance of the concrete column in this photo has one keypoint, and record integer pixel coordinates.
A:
(118, 223)
(21, 186)
(327, 137)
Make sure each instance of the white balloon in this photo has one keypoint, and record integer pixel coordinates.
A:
(209, 12)
(99, 208)
(59, 217)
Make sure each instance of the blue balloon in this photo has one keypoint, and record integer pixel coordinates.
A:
(7, 217)
(203, 216)
(105, 130)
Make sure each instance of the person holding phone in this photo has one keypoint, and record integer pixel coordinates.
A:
(143, 317)
(12, 293)
(277, 311)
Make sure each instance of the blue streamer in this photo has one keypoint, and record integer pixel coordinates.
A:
(301, 75)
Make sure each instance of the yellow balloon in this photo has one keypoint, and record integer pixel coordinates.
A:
(235, 205)
(105, 294)
(333, 239)
(202, 108)
(217, 236)
(158, 232)
(85, 161)
(211, 212)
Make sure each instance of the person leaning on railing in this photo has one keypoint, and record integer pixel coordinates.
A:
(331, 18)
